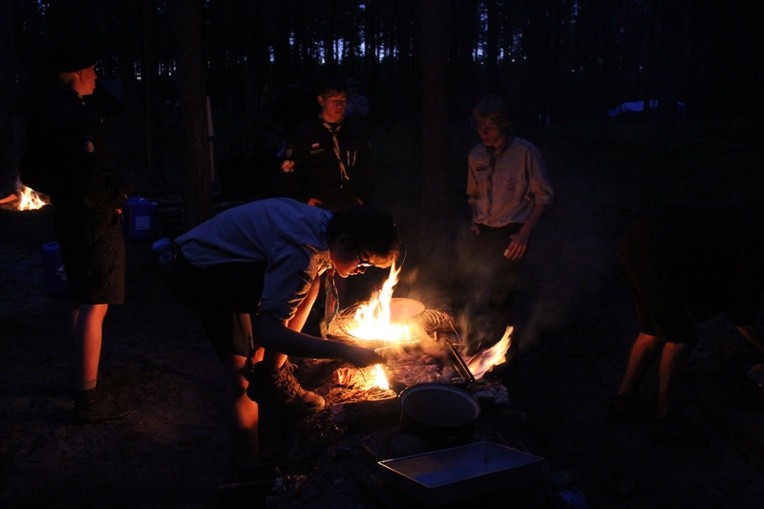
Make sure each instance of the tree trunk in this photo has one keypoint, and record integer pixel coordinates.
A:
(331, 27)
(195, 145)
(492, 46)
(435, 228)
(256, 71)
(152, 97)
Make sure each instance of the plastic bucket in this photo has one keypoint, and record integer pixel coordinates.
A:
(141, 218)
(53, 269)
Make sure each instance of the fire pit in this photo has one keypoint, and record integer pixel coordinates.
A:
(419, 345)
(424, 354)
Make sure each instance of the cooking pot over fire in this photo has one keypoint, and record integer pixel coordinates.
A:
(402, 326)
(402, 309)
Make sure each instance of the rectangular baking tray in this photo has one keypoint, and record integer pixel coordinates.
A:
(449, 475)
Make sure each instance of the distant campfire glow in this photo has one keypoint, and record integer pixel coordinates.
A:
(25, 198)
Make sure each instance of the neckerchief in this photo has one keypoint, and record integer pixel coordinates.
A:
(334, 129)
(331, 302)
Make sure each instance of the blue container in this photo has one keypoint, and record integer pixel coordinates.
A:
(53, 269)
(141, 218)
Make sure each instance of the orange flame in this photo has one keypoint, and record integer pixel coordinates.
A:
(29, 199)
(484, 361)
(380, 378)
(373, 320)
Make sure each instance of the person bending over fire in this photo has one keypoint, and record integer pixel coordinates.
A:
(686, 265)
(253, 273)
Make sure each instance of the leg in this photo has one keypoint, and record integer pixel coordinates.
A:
(670, 376)
(670, 426)
(90, 406)
(246, 414)
(88, 335)
(272, 380)
(644, 350)
(277, 359)
(626, 405)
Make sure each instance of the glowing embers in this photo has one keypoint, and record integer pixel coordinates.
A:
(371, 378)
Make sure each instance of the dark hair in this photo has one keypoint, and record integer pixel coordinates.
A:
(372, 231)
(332, 86)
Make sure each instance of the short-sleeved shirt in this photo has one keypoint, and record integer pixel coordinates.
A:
(507, 192)
(289, 237)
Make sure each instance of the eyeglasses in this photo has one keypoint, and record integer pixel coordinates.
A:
(363, 263)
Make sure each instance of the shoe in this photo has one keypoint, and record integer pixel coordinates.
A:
(675, 431)
(91, 406)
(281, 388)
(627, 408)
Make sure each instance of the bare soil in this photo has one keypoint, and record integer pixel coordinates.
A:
(574, 328)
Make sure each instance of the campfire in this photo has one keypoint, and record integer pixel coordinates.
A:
(420, 345)
(24, 198)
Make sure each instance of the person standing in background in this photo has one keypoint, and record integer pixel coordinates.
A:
(685, 265)
(66, 157)
(508, 190)
(328, 158)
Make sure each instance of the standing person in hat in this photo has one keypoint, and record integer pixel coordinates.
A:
(508, 190)
(66, 158)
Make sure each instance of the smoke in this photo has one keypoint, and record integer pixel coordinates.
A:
(554, 283)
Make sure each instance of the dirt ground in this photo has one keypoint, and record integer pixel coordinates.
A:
(574, 329)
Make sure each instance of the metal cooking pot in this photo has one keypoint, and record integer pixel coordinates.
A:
(402, 308)
(442, 413)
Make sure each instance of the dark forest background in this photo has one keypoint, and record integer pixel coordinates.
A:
(168, 64)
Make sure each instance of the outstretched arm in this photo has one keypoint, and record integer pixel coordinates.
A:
(274, 334)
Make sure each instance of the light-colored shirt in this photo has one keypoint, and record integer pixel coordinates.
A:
(507, 191)
(290, 237)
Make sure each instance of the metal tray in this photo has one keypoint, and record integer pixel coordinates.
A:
(449, 475)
